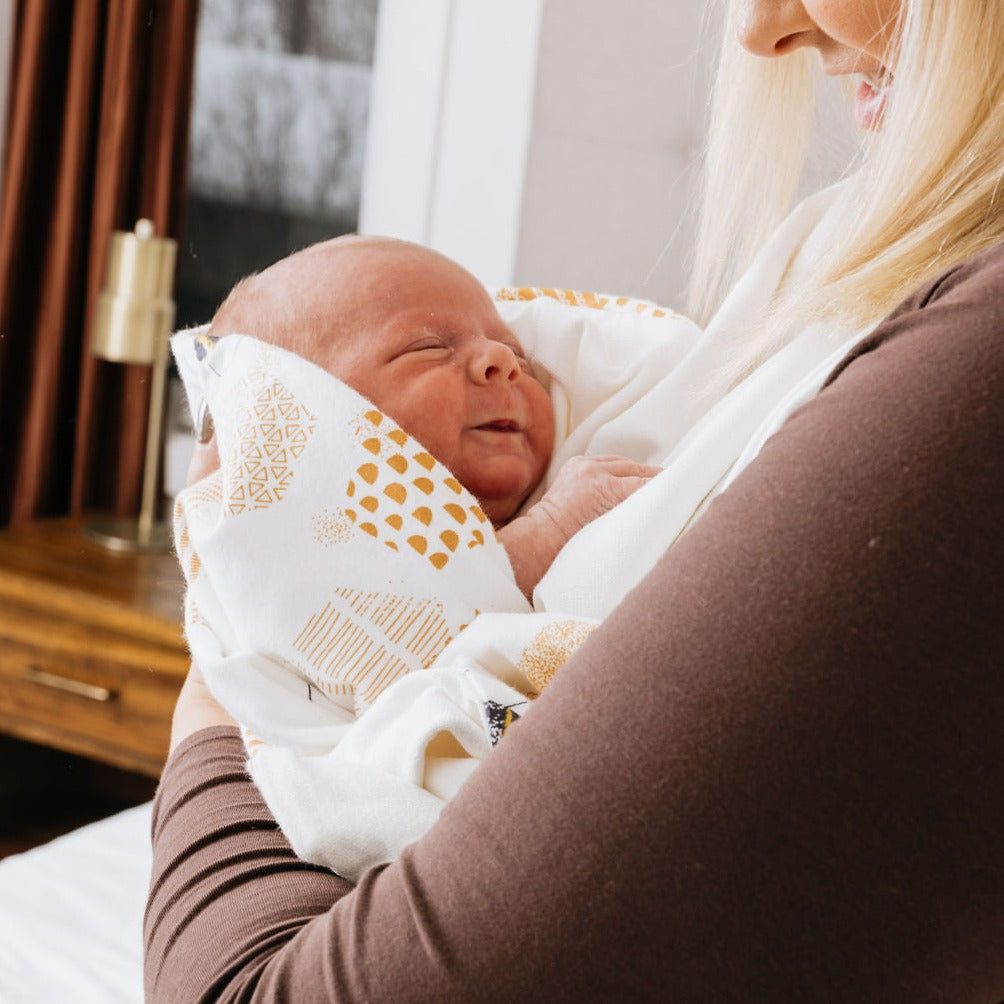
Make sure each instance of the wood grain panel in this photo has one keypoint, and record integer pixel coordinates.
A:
(91, 648)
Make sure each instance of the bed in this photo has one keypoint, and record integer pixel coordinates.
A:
(71, 924)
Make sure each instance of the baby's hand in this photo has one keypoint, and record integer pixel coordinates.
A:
(584, 488)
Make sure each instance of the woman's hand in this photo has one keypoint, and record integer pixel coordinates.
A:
(196, 709)
(584, 488)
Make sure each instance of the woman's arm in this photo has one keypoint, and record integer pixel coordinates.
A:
(774, 773)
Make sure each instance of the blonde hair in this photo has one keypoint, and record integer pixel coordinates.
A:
(928, 192)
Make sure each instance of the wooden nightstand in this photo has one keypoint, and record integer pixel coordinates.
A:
(91, 647)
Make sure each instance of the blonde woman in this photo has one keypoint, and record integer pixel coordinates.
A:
(775, 772)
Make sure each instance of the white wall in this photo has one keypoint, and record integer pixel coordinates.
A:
(618, 126)
(450, 119)
(485, 129)
(544, 142)
(402, 134)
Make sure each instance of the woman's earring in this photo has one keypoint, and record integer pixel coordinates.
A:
(204, 427)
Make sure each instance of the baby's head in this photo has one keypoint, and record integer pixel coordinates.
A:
(420, 337)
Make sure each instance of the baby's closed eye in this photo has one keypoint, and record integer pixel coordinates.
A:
(431, 343)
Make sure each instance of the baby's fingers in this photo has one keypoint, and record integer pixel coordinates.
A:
(622, 467)
(644, 471)
(619, 488)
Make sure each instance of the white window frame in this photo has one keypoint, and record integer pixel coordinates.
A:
(450, 119)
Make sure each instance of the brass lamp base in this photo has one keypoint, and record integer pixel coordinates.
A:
(128, 534)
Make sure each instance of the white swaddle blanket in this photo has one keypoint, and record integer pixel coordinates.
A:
(331, 555)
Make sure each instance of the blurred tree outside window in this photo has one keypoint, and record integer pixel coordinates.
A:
(279, 115)
(278, 128)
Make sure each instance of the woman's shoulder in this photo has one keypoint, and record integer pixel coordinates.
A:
(953, 319)
(980, 280)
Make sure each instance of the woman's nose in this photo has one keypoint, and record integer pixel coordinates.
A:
(493, 361)
(773, 27)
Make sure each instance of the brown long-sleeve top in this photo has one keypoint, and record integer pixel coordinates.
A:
(775, 773)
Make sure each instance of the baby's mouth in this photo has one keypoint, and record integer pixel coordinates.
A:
(500, 425)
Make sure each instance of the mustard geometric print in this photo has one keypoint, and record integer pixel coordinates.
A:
(332, 564)
(550, 649)
(361, 642)
(270, 436)
(332, 527)
(204, 495)
(402, 496)
(188, 557)
(577, 298)
(251, 742)
(569, 297)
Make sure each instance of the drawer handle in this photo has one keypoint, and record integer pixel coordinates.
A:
(69, 686)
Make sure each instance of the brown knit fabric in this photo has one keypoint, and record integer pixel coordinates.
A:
(775, 773)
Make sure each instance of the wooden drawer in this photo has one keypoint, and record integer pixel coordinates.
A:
(91, 649)
(89, 692)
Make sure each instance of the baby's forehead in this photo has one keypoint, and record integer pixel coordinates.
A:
(331, 298)
(346, 259)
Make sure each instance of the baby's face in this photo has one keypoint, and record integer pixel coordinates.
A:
(431, 351)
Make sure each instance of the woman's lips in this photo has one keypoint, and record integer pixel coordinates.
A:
(871, 101)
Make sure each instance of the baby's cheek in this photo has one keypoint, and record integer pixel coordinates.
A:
(544, 427)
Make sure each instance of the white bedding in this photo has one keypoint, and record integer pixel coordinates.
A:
(71, 915)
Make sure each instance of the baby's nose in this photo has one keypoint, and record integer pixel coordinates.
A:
(494, 361)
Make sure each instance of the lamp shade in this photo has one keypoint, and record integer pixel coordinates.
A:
(135, 312)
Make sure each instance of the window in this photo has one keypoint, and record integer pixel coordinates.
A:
(278, 128)
(279, 113)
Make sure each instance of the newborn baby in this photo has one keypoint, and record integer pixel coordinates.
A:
(377, 424)
(421, 338)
